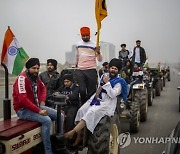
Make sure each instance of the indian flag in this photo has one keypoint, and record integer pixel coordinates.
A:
(13, 55)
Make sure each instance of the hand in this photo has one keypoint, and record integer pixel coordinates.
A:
(43, 112)
(56, 93)
(42, 103)
(66, 97)
(106, 78)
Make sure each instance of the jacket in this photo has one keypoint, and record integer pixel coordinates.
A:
(23, 94)
(142, 55)
(52, 84)
(73, 93)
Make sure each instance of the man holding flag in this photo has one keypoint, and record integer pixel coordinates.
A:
(13, 55)
(86, 55)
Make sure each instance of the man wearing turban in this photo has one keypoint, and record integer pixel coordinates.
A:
(95, 109)
(51, 79)
(87, 54)
(29, 95)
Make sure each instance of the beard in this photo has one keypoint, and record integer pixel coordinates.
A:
(33, 77)
(51, 71)
(113, 74)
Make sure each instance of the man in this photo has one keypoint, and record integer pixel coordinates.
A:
(29, 94)
(71, 91)
(137, 75)
(104, 69)
(139, 54)
(123, 54)
(51, 80)
(87, 54)
(94, 109)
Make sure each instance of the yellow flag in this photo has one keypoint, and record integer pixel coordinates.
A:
(100, 11)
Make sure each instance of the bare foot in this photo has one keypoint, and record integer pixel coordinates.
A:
(69, 134)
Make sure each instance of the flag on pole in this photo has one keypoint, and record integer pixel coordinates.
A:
(13, 55)
(100, 11)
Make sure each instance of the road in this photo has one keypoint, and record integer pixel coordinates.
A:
(163, 116)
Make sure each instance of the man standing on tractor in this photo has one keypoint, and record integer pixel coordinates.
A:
(139, 54)
(123, 54)
(102, 103)
(87, 54)
(29, 95)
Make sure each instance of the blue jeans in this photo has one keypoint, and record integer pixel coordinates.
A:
(26, 114)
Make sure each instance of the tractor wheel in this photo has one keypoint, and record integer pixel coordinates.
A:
(105, 137)
(141, 97)
(150, 96)
(158, 88)
(134, 120)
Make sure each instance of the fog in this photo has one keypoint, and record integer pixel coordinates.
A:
(49, 28)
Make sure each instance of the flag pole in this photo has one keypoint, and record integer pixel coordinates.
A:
(98, 25)
(98, 34)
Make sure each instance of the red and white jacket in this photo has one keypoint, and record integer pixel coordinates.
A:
(23, 94)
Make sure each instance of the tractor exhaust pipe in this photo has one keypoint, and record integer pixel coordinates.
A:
(6, 101)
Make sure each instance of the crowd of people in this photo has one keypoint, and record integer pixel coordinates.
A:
(33, 92)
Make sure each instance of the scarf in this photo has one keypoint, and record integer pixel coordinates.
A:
(113, 82)
(33, 80)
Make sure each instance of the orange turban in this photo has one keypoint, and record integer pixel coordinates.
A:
(85, 31)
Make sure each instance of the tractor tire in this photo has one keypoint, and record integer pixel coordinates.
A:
(158, 88)
(150, 96)
(154, 93)
(141, 97)
(164, 81)
(161, 85)
(134, 120)
(104, 139)
(179, 102)
(168, 76)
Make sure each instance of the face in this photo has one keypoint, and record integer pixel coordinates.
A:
(138, 44)
(113, 71)
(34, 70)
(85, 38)
(127, 63)
(50, 67)
(67, 83)
(135, 66)
(123, 48)
(106, 67)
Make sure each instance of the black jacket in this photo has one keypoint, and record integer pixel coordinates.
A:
(142, 55)
(73, 94)
(52, 84)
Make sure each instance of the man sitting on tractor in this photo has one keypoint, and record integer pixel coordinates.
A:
(137, 75)
(102, 103)
(29, 95)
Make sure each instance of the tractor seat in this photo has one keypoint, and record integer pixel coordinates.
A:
(15, 127)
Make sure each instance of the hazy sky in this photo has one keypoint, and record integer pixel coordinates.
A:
(48, 28)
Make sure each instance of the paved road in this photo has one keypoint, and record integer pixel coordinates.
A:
(162, 118)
